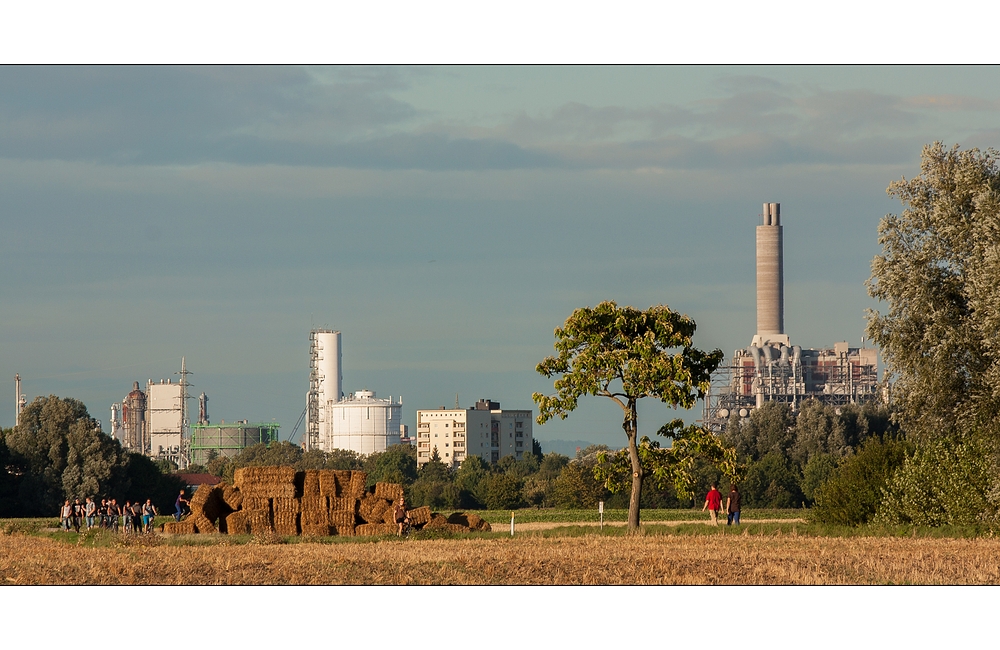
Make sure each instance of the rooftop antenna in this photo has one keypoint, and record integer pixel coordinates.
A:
(456, 400)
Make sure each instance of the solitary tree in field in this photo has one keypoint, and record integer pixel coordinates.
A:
(626, 354)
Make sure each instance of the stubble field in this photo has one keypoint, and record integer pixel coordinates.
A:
(582, 558)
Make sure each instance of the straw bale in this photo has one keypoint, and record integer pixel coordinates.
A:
(468, 519)
(269, 490)
(389, 516)
(344, 531)
(419, 516)
(236, 523)
(256, 503)
(315, 503)
(372, 509)
(342, 478)
(390, 491)
(343, 503)
(367, 530)
(185, 527)
(264, 475)
(259, 521)
(286, 523)
(284, 504)
(310, 483)
(327, 483)
(207, 499)
(231, 496)
(359, 481)
(456, 528)
(315, 518)
(341, 518)
(315, 530)
(203, 525)
(437, 521)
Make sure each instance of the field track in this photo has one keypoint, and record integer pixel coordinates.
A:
(589, 559)
(549, 525)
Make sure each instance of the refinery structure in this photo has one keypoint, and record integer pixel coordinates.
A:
(360, 422)
(771, 369)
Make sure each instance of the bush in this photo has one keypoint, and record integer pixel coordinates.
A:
(945, 482)
(817, 471)
(853, 492)
(772, 482)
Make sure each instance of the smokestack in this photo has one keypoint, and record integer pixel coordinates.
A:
(770, 283)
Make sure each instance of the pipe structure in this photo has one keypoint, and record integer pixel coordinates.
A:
(770, 282)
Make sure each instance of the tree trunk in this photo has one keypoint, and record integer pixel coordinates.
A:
(631, 430)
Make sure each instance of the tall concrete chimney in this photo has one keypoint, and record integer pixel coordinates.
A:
(770, 283)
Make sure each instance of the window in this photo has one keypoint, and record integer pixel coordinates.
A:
(446, 444)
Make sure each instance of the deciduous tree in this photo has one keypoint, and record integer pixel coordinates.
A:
(626, 354)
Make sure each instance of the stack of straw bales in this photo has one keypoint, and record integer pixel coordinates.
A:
(314, 502)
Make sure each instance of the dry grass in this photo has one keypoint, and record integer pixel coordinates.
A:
(589, 559)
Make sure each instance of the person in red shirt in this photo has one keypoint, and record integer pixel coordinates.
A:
(713, 501)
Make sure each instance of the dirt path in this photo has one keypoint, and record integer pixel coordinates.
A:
(548, 525)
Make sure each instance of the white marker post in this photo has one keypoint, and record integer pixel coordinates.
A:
(600, 510)
(511, 523)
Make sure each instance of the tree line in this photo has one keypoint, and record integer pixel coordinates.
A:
(58, 452)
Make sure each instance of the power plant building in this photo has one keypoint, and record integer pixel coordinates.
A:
(360, 422)
(484, 430)
(771, 369)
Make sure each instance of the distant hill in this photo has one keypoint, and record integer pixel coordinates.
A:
(568, 447)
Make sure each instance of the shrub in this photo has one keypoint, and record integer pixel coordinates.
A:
(946, 481)
(772, 482)
(852, 494)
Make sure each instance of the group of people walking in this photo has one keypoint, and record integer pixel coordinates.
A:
(713, 503)
(131, 517)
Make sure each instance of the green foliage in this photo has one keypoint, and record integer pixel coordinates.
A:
(937, 274)
(397, 464)
(500, 491)
(768, 429)
(576, 487)
(816, 472)
(854, 491)
(949, 481)
(437, 494)
(146, 481)
(669, 467)
(467, 479)
(342, 459)
(536, 450)
(552, 463)
(772, 482)
(626, 354)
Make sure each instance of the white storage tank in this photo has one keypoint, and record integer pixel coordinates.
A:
(362, 423)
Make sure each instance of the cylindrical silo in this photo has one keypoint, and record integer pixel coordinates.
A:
(327, 364)
(770, 284)
(363, 423)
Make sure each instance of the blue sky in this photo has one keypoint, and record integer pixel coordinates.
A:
(445, 219)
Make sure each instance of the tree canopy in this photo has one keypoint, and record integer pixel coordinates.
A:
(937, 275)
(626, 354)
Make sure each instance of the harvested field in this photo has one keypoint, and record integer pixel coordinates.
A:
(590, 559)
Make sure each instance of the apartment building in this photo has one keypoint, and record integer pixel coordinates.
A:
(484, 430)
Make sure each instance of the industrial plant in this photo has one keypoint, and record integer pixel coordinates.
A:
(771, 369)
(360, 422)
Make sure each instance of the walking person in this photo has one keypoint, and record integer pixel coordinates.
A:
(102, 512)
(137, 525)
(178, 505)
(89, 511)
(113, 513)
(713, 502)
(66, 515)
(733, 506)
(77, 515)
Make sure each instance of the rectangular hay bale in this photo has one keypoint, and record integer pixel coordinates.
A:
(231, 496)
(269, 490)
(316, 530)
(284, 504)
(203, 525)
(259, 521)
(391, 491)
(372, 509)
(342, 478)
(236, 523)
(327, 483)
(314, 518)
(286, 523)
(341, 518)
(256, 503)
(343, 503)
(344, 531)
(359, 483)
(315, 503)
(310, 483)
(367, 530)
(244, 476)
(419, 516)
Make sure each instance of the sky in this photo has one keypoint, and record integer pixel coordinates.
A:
(444, 219)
